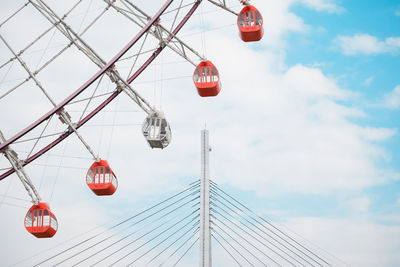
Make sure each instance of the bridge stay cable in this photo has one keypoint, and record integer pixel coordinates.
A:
(255, 226)
(193, 186)
(318, 259)
(165, 232)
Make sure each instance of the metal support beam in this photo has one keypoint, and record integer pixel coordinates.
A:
(223, 6)
(17, 164)
(205, 231)
(63, 115)
(106, 69)
(165, 36)
(77, 40)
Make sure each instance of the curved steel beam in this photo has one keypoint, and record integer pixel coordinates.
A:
(110, 98)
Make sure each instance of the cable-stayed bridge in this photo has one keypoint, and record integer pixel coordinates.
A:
(201, 223)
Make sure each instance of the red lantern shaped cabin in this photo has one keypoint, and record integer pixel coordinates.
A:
(101, 179)
(250, 23)
(40, 221)
(206, 79)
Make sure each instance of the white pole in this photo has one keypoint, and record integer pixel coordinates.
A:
(205, 234)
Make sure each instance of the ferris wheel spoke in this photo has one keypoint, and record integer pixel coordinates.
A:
(91, 98)
(25, 66)
(183, 6)
(222, 4)
(141, 18)
(22, 51)
(65, 48)
(76, 39)
(176, 15)
(41, 135)
(63, 115)
(66, 30)
(179, 46)
(39, 69)
(88, 98)
(38, 137)
(123, 85)
(18, 168)
(15, 13)
(162, 33)
(138, 54)
(166, 41)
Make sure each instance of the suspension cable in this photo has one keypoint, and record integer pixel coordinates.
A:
(247, 241)
(195, 226)
(255, 238)
(230, 254)
(186, 252)
(183, 244)
(237, 242)
(120, 223)
(214, 185)
(126, 236)
(129, 253)
(155, 246)
(255, 226)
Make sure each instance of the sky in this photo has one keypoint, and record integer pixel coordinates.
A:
(305, 130)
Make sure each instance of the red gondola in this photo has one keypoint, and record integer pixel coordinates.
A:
(206, 79)
(101, 179)
(250, 23)
(40, 221)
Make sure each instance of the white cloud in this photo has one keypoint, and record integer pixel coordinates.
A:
(296, 109)
(307, 82)
(392, 99)
(366, 44)
(376, 134)
(323, 5)
(360, 204)
(368, 81)
(358, 242)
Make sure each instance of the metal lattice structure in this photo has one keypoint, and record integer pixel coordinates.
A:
(135, 56)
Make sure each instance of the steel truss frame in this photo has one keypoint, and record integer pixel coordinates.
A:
(150, 25)
(106, 68)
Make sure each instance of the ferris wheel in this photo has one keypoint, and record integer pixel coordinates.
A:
(156, 33)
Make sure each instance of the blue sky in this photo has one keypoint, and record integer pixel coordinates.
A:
(371, 75)
(305, 130)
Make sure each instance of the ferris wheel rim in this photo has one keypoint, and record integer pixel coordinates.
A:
(59, 107)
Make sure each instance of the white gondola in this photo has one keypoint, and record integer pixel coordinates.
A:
(156, 130)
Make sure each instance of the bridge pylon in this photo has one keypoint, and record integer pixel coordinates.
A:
(205, 224)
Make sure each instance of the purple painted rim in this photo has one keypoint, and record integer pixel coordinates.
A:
(56, 109)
